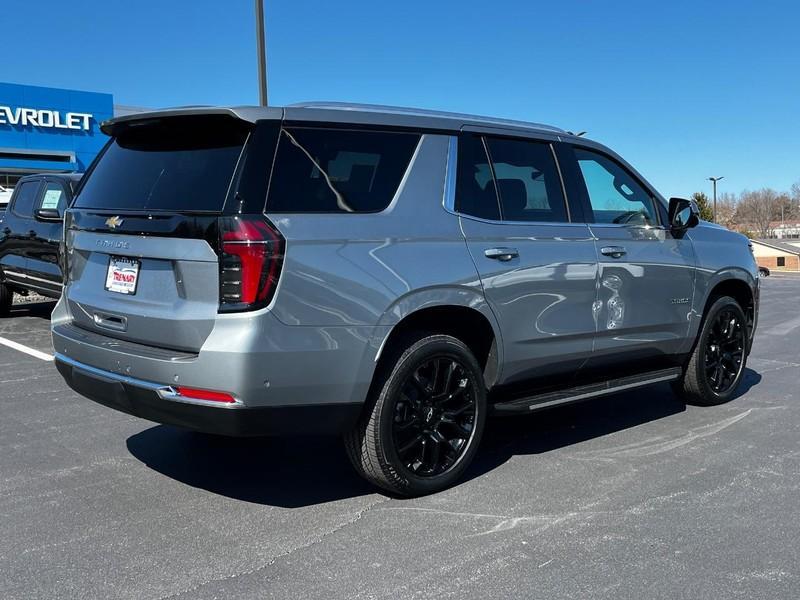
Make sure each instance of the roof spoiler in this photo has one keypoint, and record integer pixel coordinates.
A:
(113, 127)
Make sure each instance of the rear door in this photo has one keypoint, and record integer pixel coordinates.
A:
(537, 268)
(646, 275)
(142, 233)
(18, 233)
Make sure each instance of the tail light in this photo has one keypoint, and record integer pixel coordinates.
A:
(251, 256)
(63, 250)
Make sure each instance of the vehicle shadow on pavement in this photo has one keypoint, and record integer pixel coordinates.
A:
(556, 428)
(303, 471)
(287, 472)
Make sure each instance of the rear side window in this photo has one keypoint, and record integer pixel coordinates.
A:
(476, 194)
(527, 180)
(25, 200)
(338, 171)
(178, 164)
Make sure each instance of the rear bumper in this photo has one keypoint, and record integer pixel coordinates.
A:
(145, 400)
(252, 356)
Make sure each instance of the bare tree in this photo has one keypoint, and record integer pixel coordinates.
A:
(726, 210)
(794, 202)
(756, 210)
(785, 208)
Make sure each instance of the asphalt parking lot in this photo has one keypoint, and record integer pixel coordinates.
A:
(632, 496)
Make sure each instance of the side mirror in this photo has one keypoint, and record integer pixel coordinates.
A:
(683, 214)
(48, 214)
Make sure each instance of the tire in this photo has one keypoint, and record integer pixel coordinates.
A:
(6, 299)
(419, 431)
(719, 357)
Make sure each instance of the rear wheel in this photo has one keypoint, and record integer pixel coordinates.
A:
(424, 420)
(718, 360)
(6, 299)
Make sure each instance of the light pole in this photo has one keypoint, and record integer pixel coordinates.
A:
(715, 180)
(262, 53)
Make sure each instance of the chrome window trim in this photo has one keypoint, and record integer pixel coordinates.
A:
(561, 179)
(449, 199)
(32, 278)
(626, 226)
(165, 392)
(549, 223)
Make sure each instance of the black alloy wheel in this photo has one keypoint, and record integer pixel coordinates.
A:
(434, 417)
(724, 351)
(717, 362)
(423, 421)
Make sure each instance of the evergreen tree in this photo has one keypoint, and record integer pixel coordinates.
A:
(706, 210)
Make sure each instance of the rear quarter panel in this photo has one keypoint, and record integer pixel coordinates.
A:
(361, 269)
(372, 270)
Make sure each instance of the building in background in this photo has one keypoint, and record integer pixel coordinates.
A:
(777, 255)
(50, 130)
(785, 230)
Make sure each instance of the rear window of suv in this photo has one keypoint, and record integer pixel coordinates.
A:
(338, 171)
(173, 164)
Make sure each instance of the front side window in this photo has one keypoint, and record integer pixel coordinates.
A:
(527, 181)
(614, 195)
(338, 171)
(54, 197)
(25, 200)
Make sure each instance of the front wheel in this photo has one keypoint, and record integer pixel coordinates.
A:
(422, 425)
(718, 360)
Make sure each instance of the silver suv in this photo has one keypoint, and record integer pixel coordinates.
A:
(391, 275)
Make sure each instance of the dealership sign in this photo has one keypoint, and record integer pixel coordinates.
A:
(48, 119)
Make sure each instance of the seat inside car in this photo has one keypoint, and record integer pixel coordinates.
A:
(514, 198)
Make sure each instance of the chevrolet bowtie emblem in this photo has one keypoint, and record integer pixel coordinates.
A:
(114, 222)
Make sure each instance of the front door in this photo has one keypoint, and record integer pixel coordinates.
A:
(537, 269)
(43, 260)
(646, 275)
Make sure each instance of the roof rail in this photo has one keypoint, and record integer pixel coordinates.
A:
(401, 110)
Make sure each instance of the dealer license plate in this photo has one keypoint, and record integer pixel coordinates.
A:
(123, 275)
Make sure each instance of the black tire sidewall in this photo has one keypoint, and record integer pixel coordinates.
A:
(6, 300)
(718, 306)
(419, 352)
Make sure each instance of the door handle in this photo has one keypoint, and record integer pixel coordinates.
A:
(504, 254)
(613, 251)
(111, 321)
(31, 234)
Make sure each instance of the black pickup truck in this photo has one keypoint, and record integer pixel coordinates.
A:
(30, 235)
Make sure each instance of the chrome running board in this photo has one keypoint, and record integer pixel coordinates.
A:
(584, 392)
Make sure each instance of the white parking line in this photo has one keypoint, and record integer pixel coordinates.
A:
(26, 350)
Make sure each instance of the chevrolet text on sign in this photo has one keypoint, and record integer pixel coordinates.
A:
(36, 117)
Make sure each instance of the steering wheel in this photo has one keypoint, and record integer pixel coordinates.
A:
(629, 216)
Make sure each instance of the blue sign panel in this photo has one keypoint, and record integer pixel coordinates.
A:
(50, 129)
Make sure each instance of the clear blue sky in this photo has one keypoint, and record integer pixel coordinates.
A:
(683, 90)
